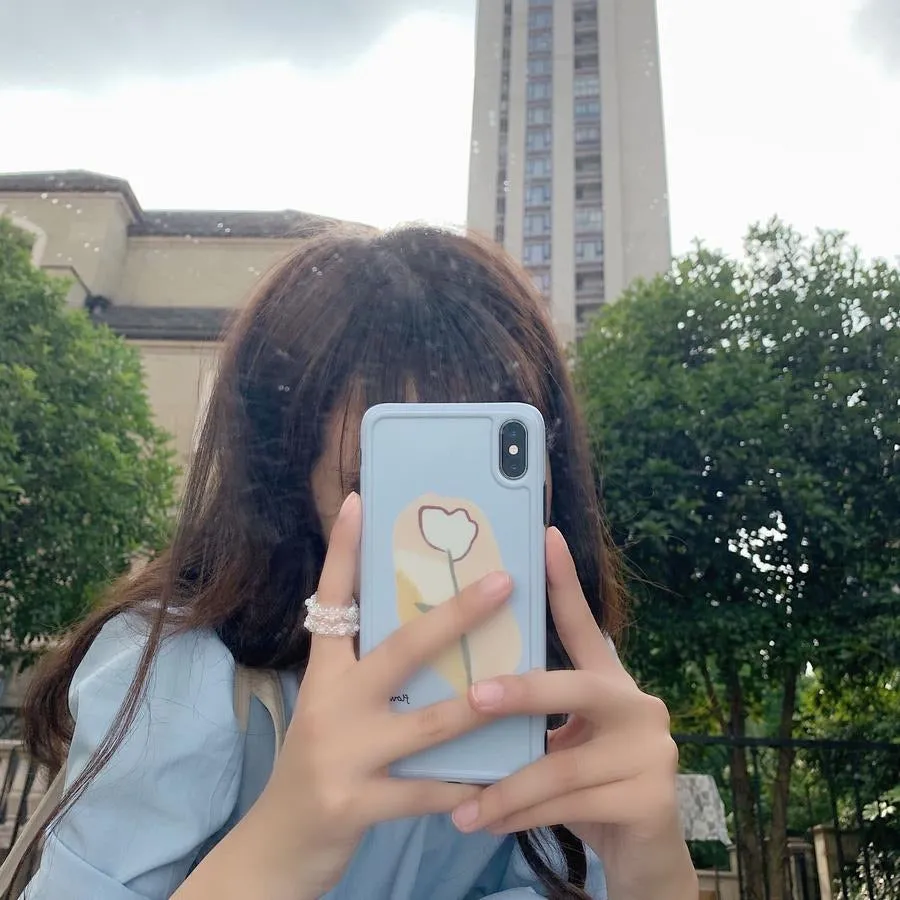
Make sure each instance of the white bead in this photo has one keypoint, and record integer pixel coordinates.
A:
(333, 621)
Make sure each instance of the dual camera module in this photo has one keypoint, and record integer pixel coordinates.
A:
(513, 450)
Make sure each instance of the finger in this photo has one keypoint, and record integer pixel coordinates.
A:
(539, 692)
(575, 623)
(553, 776)
(617, 803)
(399, 798)
(410, 732)
(417, 643)
(336, 589)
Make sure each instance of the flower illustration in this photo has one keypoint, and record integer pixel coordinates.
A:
(442, 544)
(451, 532)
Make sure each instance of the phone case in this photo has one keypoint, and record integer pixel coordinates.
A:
(438, 514)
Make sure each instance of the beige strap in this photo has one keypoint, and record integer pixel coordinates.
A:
(263, 684)
(30, 830)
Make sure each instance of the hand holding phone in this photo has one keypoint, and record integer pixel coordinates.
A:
(330, 783)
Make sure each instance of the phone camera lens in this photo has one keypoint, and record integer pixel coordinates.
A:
(513, 450)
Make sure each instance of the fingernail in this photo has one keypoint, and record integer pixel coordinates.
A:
(465, 815)
(350, 502)
(494, 586)
(557, 535)
(487, 693)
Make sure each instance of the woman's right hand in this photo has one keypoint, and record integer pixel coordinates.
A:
(331, 780)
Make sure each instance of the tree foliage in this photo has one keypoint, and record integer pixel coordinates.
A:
(746, 418)
(86, 477)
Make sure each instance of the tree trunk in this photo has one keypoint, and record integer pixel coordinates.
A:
(749, 847)
(779, 886)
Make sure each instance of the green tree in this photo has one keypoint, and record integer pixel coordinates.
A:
(745, 418)
(86, 478)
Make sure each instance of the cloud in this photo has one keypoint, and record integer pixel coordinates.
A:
(61, 43)
(878, 28)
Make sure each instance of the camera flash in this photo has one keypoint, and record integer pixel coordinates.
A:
(513, 449)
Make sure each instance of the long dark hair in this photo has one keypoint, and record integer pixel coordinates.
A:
(352, 313)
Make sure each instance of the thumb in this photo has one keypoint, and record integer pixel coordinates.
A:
(336, 585)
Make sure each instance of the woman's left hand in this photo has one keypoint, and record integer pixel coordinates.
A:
(609, 775)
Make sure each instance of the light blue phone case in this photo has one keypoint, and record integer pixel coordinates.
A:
(437, 515)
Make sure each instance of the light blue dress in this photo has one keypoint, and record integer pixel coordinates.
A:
(186, 773)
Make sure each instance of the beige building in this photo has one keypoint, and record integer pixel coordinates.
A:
(166, 280)
(568, 152)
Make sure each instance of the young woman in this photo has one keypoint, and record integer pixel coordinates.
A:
(167, 795)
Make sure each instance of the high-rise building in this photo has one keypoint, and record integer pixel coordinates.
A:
(568, 152)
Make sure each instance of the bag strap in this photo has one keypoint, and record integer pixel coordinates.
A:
(263, 684)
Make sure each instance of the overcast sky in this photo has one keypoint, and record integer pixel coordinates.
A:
(361, 108)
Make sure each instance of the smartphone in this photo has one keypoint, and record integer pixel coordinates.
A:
(451, 492)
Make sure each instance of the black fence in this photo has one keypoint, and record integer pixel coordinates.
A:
(841, 818)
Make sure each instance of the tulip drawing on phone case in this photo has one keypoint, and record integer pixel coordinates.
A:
(441, 546)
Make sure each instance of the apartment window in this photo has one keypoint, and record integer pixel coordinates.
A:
(587, 109)
(540, 43)
(542, 281)
(537, 194)
(589, 250)
(585, 164)
(589, 283)
(540, 66)
(539, 115)
(585, 14)
(538, 167)
(587, 134)
(537, 253)
(585, 61)
(588, 192)
(587, 85)
(539, 90)
(538, 139)
(501, 206)
(588, 219)
(542, 18)
(537, 224)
